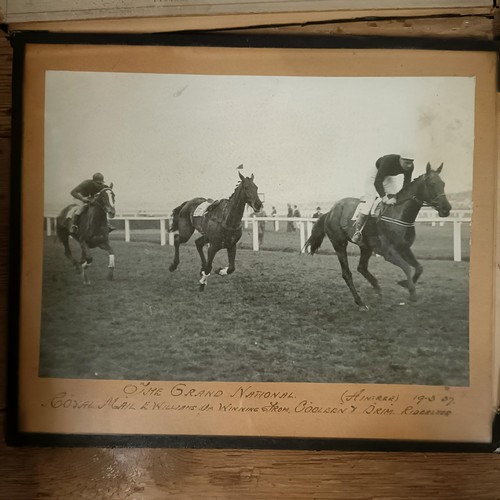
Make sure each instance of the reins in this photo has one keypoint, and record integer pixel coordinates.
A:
(416, 199)
(96, 198)
(227, 211)
(231, 203)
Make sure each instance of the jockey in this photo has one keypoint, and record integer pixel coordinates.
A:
(84, 193)
(382, 183)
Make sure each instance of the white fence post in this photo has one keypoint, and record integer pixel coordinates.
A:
(276, 225)
(302, 232)
(163, 238)
(255, 235)
(49, 226)
(309, 229)
(127, 230)
(170, 234)
(457, 241)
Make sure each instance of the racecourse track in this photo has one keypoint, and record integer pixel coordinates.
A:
(280, 317)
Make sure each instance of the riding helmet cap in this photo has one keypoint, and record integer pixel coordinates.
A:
(98, 177)
(407, 157)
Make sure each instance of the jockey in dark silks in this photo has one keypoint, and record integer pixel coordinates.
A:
(84, 193)
(381, 183)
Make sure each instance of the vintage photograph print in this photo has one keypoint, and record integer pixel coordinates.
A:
(386, 292)
(258, 242)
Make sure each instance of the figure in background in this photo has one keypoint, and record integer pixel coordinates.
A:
(261, 224)
(289, 225)
(317, 214)
(296, 213)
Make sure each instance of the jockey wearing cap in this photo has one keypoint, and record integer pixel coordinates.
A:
(84, 193)
(382, 183)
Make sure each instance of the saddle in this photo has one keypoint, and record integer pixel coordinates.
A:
(375, 212)
(199, 213)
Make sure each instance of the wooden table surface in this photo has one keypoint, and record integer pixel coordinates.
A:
(183, 473)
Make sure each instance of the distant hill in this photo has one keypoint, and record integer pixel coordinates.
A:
(461, 200)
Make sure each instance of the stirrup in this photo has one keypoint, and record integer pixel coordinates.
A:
(111, 228)
(357, 236)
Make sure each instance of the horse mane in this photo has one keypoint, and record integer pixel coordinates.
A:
(409, 188)
(235, 189)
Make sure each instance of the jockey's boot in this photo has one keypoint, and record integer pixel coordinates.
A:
(74, 224)
(110, 227)
(358, 228)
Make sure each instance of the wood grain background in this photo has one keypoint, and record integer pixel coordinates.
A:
(226, 474)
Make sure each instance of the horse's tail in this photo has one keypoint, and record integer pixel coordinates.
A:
(175, 217)
(317, 235)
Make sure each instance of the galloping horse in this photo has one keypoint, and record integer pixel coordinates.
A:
(391, 235)
(93, 231)
(220, 226)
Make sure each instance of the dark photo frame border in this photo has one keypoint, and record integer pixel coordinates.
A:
(19, 41)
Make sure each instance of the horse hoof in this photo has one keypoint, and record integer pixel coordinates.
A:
(364, 307)
(413, 298)
(403, 283)
(172, 268)
(202, 288)
(111, 277)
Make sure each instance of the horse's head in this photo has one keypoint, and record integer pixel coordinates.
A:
(433, 191)
(105, 199)
(250, 192)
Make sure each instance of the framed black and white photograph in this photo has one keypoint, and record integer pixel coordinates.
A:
(275, 241)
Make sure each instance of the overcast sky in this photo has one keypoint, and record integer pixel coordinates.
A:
(162, 139)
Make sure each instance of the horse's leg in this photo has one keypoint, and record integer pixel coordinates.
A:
(212, 250)
(182, 235)
(408, 255)
(231, 257)
(392, 255)
(366, 253)
(86, 261)
(111, 260)
(200, 243)
(64, 237)
(341, 250)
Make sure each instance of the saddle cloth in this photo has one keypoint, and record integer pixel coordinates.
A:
(201, 209)
(374, 211)
(71, 211)
(199, 213)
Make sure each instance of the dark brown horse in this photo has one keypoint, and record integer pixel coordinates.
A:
(391, 234)
(92, 232)
(220, 226)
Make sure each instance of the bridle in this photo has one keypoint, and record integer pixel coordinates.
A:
(421, 203)
(433, 203)
(95, 199)
(226, 210)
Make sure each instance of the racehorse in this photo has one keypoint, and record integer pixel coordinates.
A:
(220, 226)
(92, 232)
(391, 235)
